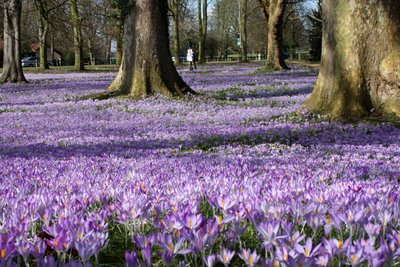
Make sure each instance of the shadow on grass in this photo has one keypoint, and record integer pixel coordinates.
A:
(323, 134)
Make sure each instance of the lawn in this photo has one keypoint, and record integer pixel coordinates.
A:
(237, 176)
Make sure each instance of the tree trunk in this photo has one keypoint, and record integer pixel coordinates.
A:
(12, 67)
(43, 26)
(90, 50)
(176, 17)
(275, 46)
(108, 49)
(120, 47)
(78, 44)
(203, 21)
(243, 30)
(52, 48)
(360, 67)
(147, 67)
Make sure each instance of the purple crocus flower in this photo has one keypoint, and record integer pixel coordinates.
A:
(48, 261)
(225, 256)
(147, 256)
(131, 259)
(301, 261)
(193, 221)
(251, 259)
(372, 230)
(38, 248)
(24, 248)
(62, 242)
(355, 254)
(269, 232)
(144, 241)
(7, 247)
(75, 263)
(307, 250)
(225, 202)
(172, 246)
(210, 260)
(322, 260)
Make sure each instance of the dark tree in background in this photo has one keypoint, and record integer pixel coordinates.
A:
(12, 67)
(274, 11)
(315, 32)
(175, 9)
(147, 67)
(120, 8)
(202, 9)
(243, 14)
(78, 41)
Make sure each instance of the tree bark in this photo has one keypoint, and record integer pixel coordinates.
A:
(43, 27)
(78, 43)
(12, 67)
(202, 6)
(90, 50)
(108, 49)
(52, 47)
(275, 40)
(274, 11)
(176, 17)
(243, 29)
(360, 66)
(147, 67)
(120, 47)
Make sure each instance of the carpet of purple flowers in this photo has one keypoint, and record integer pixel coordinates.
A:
(231, 177)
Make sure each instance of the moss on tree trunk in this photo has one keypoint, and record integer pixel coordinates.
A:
(360, 60)
(274, 11)
(43, 26)
(78, 43)
(147, 67)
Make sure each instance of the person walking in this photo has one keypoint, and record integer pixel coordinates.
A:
(190, 57)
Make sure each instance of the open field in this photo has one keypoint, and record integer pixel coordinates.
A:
(236, 176)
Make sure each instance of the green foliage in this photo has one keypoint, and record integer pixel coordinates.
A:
(70, 58)
(119, 241)
(250, 238)
(300, 117)
(266, 69)
(119, 12)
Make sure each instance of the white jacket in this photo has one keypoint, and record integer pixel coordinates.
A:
(189, 56)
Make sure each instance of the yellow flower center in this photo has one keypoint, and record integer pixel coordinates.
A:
(329, 219)
(340, 245)
(3, 253)
(354, 258)
(251, 260)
